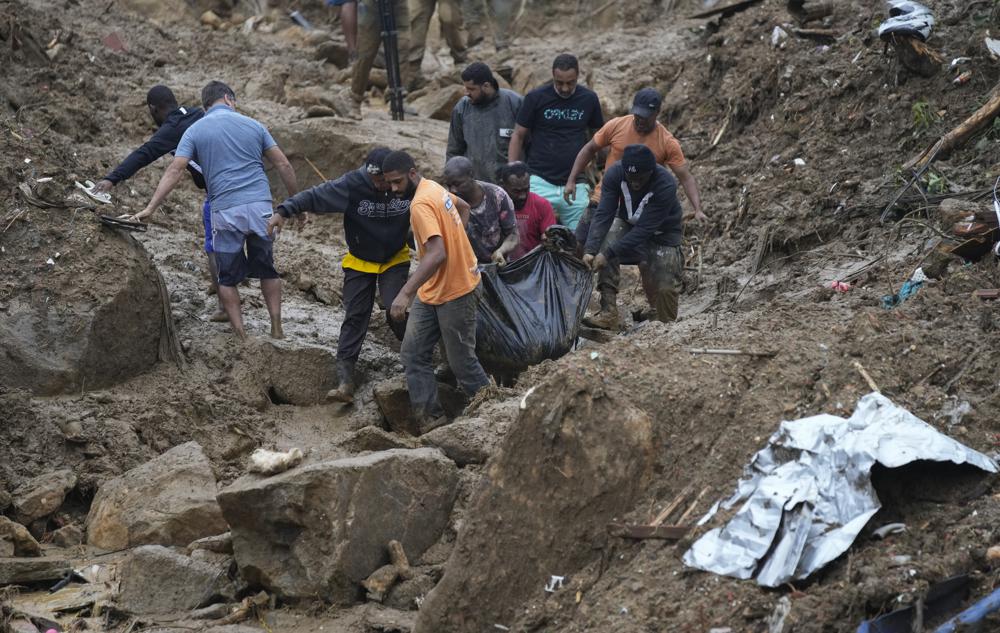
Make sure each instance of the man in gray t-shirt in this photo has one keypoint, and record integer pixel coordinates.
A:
(231, 148)
(482, 122)
(492, 227)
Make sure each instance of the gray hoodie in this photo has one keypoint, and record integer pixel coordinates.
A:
(482, 133)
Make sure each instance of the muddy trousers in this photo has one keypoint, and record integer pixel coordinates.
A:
(450, 16)
(359, 299)
(370, 39)
(476, 13)
(454, 322)
(660, 270)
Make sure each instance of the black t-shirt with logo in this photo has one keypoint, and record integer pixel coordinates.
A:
(558, 129)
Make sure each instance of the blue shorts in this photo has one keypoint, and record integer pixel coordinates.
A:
(206, 219)
(339, 3)
(242, 247)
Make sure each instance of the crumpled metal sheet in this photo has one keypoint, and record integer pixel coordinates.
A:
(808, 494)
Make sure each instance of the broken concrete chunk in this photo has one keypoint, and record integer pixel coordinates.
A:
(466, 440)
(41, 496)
(15, 540)
(168, 501)
(220, 544)
(321, 529)
(156, 579)
(24, 570)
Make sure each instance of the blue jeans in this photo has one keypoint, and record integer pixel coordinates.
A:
(454, 322)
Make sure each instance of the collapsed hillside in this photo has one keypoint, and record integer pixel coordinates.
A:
(797, 146)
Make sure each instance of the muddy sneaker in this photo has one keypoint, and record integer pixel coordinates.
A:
(606, 319)
(428, 424)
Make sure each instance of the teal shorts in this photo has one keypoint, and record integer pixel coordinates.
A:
(566, 214)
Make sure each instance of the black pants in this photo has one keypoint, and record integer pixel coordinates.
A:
(359, 299)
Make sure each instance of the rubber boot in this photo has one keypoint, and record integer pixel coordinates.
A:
(607, 317)
(345, 391)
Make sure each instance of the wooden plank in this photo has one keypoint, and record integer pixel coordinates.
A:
(678, 500)
(24, 570)
(730, 352)
(662, 532)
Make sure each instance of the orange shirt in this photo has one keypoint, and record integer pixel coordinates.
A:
(620, 132)
(433, 213)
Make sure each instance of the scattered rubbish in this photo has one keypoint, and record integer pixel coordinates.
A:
(778, 36)
(864, 374)
(50, 262)
(301, 20)
(524, 399)
(962, 78)
(114, 43)
(840, 286)
(798, 162)
(941, 599)
(987, 294)
(907, 18)
(555, 582)
(958, 61)
(891, 528)
(594, 356)
(273, 462)
(776, 621)
(726, 10)
(117, 223)
(993, 46)
(900, 559)
(88, 188)
(623, 611)
(975, 614)
(955, 409)
(807, 495)
(655, 529)
(501, 627)
(910, 288)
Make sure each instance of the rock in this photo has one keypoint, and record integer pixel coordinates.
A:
(466, 440)
(155, 579)
(41, 496)
(380, 581)
(305, 282)
(299, 375)
(439, 103)
(393, 400)
(209, 18)
(993, 553)
(167, 501)
(5, 499)
(319, 530)
(22, 626)
(220, 544)
(25, 570)
(15, 540)
(310, 96)
(408, 594)
(68, 536)
(372, 438)
(333, 53)
(576, 457)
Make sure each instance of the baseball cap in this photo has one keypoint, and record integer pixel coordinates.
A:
(646, 102)
(638, 159)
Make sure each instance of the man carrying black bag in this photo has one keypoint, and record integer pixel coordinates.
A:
(639, 219)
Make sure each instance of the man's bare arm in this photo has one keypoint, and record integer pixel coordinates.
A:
(280, 162)
(433, 257)
(167, 183)
(687, 181)
(583, 158)
(516, 149)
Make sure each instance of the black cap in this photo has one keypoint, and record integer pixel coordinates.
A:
(646, 102)
(638, 159)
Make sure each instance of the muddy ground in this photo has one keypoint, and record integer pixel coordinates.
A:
(797, 149)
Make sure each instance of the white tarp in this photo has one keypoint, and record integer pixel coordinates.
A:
(808, 494)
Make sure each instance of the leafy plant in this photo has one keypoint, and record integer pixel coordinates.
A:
(924, 115)
(934, 182)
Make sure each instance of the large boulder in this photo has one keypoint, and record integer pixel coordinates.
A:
(578, 456)
(85, 309)
(319, 530)
(155, 579)
(167, 501)
(41, 496)
(467, 440)
(16, 540)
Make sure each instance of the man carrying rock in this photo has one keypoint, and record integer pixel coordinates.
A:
(376, 224)
(534, 213)
(231, 148)
(442, 291)
(171, 121)
(492, 227)
(639, 219)
(639, 127)
(482, 122)
(559, 117)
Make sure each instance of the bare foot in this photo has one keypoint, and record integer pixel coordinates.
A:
(276, 331)
(219, 317)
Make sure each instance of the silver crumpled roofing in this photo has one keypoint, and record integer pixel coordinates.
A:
(808, 494)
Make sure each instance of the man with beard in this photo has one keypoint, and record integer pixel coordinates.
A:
(375, 225)
(639, 127)
(492, 228)
(558, 117)
(639, 219)
(482, 122)
(534, 213)
(442, 291)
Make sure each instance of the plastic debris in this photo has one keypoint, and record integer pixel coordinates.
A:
(798, 162)
(840, 286)
(963, 78)
(993, 46)
(890, 528)
(807, 495)
(555, 583)
(909, 288)
(906, 18)
(273, 462)
(778, 36)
